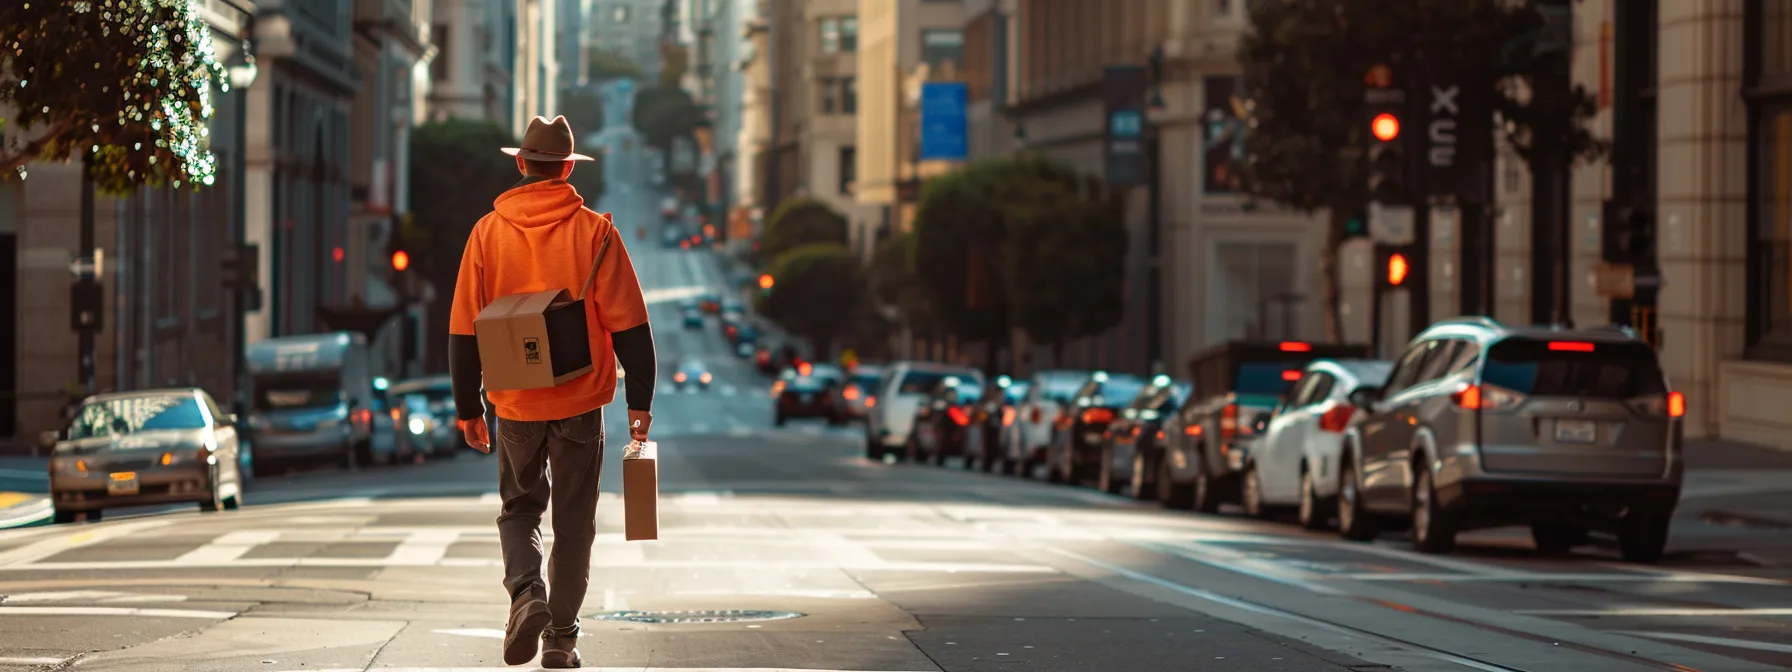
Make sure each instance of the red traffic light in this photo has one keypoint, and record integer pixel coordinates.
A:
(400, 260)
(765, 281)
(1397, 268)
(1385, 127)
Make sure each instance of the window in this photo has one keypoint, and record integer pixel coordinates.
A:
(849, 168)
(1438, 362)
(839, 34)
(849, 34)
(849, 95)
(830, 35)
(830, 96)
(438, 67)
(942, 45)
(1769, 50)
(1406, 373)
(1608, 371)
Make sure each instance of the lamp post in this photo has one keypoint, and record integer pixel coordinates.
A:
(1154, 116)
(242, 72)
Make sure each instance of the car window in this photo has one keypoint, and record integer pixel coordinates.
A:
(919, 382)
(1437, 362)
(1266, 378)
(1407, 371)
(1466, 356)
(130, 415)
(1314, 389)
(1059, 388)
(1571, 369)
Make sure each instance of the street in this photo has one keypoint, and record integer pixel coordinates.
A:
(785, 549)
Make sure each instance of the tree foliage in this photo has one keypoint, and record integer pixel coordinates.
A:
(799, 222)
(675, 63)
(1066, 248)
(456, 173)
(126, 85)
(1303, 68)
(894, 282)
(584, 110)
(820, 293)
(662, 113)
(602, 64)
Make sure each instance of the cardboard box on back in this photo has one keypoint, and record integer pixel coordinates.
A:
(538, 339)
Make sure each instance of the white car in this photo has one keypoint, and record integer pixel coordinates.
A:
(891, 406)
(1295, 461)
(1026, 440)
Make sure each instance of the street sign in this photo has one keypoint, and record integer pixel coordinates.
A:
(1614, 281)
(91, 268)
(1391, 225)
(943, 133)
(1440, 135)
(1123, 95)
(87, 299)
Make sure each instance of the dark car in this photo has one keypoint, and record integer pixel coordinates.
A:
(802, 395)
(1134, 442)
(670, 236)
(944, 419)
(857, 395)
(692, 374)
(693, 319)
(1000, 403)
(1075, 452)
(710, 303)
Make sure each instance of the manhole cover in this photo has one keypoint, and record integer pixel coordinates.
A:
(711, 616)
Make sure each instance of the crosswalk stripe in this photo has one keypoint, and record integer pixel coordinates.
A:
(229, 547)
(596, 669)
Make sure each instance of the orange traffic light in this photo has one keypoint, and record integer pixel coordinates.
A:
(765, 281)
(400, 260)
(1385, 126)
(1397, 268)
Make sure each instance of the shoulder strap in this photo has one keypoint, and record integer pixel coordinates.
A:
(591, 276)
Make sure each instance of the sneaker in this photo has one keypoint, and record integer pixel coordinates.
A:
(528, 617)
(559, 652)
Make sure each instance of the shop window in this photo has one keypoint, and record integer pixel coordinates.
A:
(942, 45)
(1773, 229)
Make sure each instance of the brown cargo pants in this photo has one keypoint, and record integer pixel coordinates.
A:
(558, 462)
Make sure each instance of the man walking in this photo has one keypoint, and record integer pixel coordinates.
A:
(541, 236)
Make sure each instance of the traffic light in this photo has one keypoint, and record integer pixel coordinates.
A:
(1393, 266)
(1397, 269)
(1387, 167)
(1357, 226)
(1639, 228)
(766, 281)
(400, 261)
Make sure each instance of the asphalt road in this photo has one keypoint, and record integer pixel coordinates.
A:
(842, 564)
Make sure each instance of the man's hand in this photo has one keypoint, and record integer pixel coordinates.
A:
(638, 423)
(477, 435)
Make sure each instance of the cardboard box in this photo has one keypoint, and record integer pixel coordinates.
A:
(641, 492)
(532, 341)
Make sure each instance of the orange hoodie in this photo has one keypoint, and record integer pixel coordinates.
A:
(541, 236)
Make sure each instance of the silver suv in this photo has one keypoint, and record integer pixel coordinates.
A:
(1486, 425)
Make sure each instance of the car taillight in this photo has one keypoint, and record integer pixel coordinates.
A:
(958, 416)
(1096, 416)
(1229, 421)
(1676, 404)
(1007, 416)
(1672, 404)
(1191, 430)
(870, 402)
(1137, 430)
(1486, 398)
(1334, 420)
(852, 392)
(1160, 435)
(1291, 375)
(1570, 346)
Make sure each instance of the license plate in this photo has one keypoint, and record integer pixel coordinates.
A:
(122, 483)
(1577, 431)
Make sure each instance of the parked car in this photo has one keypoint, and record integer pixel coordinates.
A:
(671, 236)
(733, 307)
(1075, 454)
(1209, 439)
(423, 417)
(805, 395)
(1481, 425)
(1295, 462)
(693, 319)
(312, 399)
(149, 447)
(899, 394)
(1133, 442)
(1025, 442)
(983, 447)
(856, 395)
(943, 420)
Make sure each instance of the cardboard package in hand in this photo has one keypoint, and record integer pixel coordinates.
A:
(641, 491)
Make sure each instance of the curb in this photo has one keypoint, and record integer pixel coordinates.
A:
(18, 509)
(1749, 519)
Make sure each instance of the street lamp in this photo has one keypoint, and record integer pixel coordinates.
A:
(242, 68)
(242, 73)
(1155, 114)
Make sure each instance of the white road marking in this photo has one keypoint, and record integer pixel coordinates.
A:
(592, 669)
(1646, 611)
(22, 660)
(822, 594)
(229, 547)
(1717, 641)
(422, 548)
(698, 498)
(45, 548)
(941, 567)
(115, 611)
(1242, 563)
(1591, 578)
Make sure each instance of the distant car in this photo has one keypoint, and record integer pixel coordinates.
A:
(858, 391)
(1075, 453)
(148, 447)
(710, 303)
(1296, 460)
(692, 374)
(1133, 442)
(901, 391)
(997, 411)
(693, 319)
(1025, 441)
(423, 416)
(669, 208)
(804, 396)
(763, 360)
(745, 350)
(733, 307)
(670, 236)
(944, 419)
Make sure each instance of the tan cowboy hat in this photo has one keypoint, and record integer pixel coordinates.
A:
(547, 141)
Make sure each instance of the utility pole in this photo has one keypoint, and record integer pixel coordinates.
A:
(88, 295)
(1553, 98)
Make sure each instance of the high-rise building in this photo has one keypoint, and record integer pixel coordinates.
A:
(470, 77)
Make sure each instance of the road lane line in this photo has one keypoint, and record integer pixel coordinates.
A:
(229, 547)
(423, 548)
(1649, 611)
(918, 567)
(26, 660)
(587, 668)
(1526, 578)
(1242, 563)
(116, 611)
(45, 548)
(1717, 641)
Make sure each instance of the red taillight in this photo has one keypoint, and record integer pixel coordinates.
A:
(1160, 435)
(366, 415)
(1296, 346)
(1228, 422)
(804, 368)
(852, 392)
(1291, 375)
(1137, 430)
(1191, 430)
(1096, 416)
(1570, 346)
(870, 402)
(1007, 416)
(958, 416)
(1676, 404)
(1468, 397)
(764, 357)
(1334, 420)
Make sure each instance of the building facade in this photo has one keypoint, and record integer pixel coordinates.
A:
(629, 28)
(536, 85)
(753, 142)
(470, 77)
(901, 44)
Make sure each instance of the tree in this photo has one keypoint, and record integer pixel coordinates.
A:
(960, 229)
(1066, 255)
(893, 282)
(799, 222)
(604, 64)
(663, 113)
(585, 111)
(675, 63)
(819, 293)
(1304, 63)
(126, 86)
(456, 172)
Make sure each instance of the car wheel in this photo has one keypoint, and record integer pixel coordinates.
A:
(1315, 511)
(1432, 529)
(1170, 493)
(1253, 493)
(62, 517)
(778, 420)
(1207, 496)
(1644, 537)
(1557, 539)
(1105, 480)
(1354, 521)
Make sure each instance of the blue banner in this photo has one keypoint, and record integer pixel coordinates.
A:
(943, 134)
